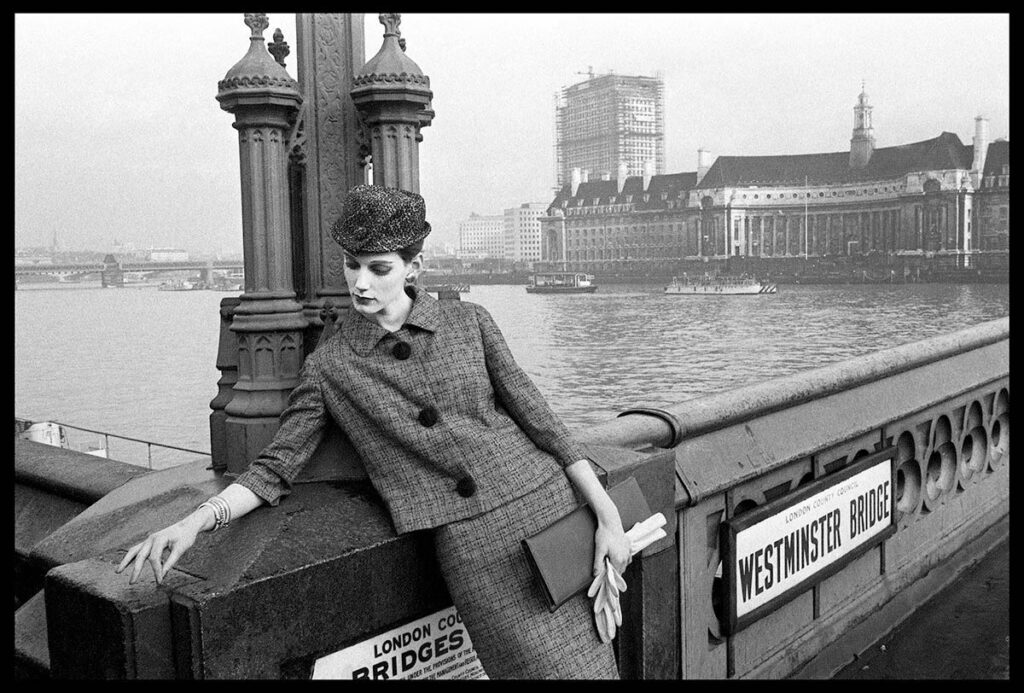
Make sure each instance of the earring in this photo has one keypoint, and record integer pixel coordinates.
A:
(410, 279)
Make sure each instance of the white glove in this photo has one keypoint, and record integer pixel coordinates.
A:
(643, 534)
(607, 586)
(605, 591)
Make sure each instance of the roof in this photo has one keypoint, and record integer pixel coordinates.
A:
(943, 152)
(603, 191)
(998, 155)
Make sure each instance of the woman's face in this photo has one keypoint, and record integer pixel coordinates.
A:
(376, 281)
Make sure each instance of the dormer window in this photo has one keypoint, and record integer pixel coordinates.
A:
(629, 198)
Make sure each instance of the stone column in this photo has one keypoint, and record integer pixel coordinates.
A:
(394, 96)
(330, 151)
(268, 321)
(227, 364)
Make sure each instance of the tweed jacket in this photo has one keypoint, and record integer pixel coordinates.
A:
(446, 422)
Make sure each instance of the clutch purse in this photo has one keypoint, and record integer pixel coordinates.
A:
(561, 555)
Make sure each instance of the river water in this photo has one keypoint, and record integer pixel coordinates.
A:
(140, 362)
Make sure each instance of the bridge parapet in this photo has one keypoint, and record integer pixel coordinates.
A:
(284, 586)
(941, 404)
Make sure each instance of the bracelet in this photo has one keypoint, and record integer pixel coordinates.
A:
(221, 511)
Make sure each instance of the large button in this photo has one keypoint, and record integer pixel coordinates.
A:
(428, 416)
(466, 486)
(402, 351)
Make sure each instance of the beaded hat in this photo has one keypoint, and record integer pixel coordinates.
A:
(375, 219)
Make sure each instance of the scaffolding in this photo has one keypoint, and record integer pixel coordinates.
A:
(608, 119)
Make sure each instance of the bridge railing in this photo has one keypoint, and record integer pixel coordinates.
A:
(943, 403)
(284, 587)
(135, 451)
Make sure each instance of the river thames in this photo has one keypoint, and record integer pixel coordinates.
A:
(141, 363)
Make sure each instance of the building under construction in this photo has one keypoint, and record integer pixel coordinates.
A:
(608, 120)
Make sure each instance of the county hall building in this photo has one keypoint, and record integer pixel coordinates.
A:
(937, 197)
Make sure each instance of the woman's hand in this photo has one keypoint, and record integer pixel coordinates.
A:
(177, 539)
(611, 541)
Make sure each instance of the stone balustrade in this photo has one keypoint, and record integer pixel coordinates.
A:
(943, 403)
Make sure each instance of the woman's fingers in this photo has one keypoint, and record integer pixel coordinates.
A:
(155, 554)
(140, 559)
(128, 558)
(176, 552)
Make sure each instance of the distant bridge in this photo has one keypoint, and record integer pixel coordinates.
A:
(65, 269)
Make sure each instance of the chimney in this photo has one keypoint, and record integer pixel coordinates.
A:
(575, 182)
(703, 163)
(980, 144)
(586, 176)
(623, 172)
(648, 172)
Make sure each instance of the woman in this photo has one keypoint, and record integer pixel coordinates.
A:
(455, 438)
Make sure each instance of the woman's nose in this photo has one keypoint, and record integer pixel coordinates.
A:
(362, 280)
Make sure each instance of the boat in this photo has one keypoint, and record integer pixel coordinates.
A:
(561, 283)
(226, 286)
(457, 287)
(720, 285)
(177, 285)
(55, 434)
(137, 279)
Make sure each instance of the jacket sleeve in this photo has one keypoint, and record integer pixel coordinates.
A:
(520, 397)
(303, 426)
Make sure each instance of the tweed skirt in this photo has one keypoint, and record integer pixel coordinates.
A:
(490, 582)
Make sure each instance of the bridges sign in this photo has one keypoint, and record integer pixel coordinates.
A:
(779, 550)
(432, 647)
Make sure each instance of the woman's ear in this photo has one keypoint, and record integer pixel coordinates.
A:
(416, 266)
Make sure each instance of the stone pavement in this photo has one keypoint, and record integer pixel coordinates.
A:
(961, 633)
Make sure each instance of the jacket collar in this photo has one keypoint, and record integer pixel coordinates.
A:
(363, 333)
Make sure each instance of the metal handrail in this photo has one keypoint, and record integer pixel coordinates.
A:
(149, 444)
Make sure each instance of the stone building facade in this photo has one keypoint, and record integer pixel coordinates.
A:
(933, 197)
(522, 231)
(482, 236)
(993, 198)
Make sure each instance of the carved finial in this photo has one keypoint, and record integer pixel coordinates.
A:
(258, 22)
(390, 22)
(279, 48)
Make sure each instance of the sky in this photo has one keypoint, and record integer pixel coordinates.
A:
(119, 137)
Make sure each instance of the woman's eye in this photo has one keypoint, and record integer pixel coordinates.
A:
(351, 265)
(381, 271)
